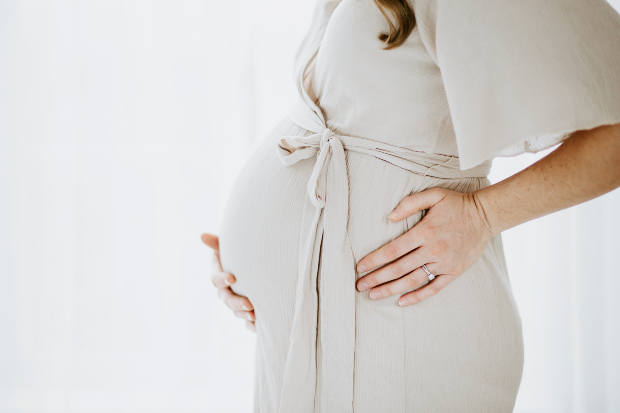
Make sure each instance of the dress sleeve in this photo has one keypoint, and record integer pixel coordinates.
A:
(521, 75)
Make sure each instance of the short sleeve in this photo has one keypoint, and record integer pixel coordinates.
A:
(521, 75)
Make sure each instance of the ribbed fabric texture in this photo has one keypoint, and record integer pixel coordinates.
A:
(475, 79)
(460, 351)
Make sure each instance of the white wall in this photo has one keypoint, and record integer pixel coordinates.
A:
(122, 127)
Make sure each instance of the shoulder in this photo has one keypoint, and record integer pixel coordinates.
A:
(425, 12)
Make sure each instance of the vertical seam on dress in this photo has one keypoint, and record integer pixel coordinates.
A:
(402, 323)
(354, 321)
(347, 155)
(317, 393)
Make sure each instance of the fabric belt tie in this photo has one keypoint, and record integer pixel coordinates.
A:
(324, 234)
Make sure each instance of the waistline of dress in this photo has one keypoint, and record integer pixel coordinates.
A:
(418, 162)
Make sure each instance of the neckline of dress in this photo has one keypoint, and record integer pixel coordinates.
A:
(305, 95)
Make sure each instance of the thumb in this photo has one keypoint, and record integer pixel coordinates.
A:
(211, 241)
(415, 203)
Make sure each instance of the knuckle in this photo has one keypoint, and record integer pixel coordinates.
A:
(386, 291)
(231, 302)
(441, 246)
(372, 280)
(428, 232)
(412, 282)
(431, 231)
(391, 252)
(408, 202)
(240, 302)
(437, 248)
(221, 292)
(398, 269)
(239, 314)
(218, 276)
(436, 191)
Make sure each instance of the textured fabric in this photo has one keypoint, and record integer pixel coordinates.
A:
(371, 127)
(460, 351)
(328, 184)
(494, 77)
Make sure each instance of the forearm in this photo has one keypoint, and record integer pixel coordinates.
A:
(585, 166)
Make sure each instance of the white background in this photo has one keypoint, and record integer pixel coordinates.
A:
(123, 125)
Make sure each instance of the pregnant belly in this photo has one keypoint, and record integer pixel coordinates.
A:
(261, 227)
(474, 316)
(260, 230)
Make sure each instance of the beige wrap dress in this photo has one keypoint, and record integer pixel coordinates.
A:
(475, 79)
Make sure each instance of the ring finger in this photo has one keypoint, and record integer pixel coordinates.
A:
(411, 281)
(392, 271)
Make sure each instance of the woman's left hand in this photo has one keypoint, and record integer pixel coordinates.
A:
(449, 240)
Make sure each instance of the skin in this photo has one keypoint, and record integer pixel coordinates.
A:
(457, 227)
(241, 306)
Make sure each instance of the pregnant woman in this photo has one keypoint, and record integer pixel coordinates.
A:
(362, 239)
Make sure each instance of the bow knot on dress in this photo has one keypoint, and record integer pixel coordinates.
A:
(294, 148)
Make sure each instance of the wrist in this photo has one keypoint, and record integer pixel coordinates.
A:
(479, 212)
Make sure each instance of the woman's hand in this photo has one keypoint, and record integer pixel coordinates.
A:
(449, 239)
(452, 236)
(241, 306)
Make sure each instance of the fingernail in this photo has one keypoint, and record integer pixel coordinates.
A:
(362, 286)
(361, 268)
(394, 213)
(227, 282)
(250, 317)
(245, 307)
(375, 295)
(402, 302)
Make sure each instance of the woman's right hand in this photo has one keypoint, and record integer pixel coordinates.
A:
(241, 306)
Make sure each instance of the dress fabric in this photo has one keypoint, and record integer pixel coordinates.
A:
(475, 79)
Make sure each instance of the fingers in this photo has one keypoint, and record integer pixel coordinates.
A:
(248, 315)
(410, 281)
(409, 240)
(393, 271)
(241, 306)
(415, 203)
(222, 279)
(234, 301)
(211, 241)
(219, 277)
(216, 264)
(250, 325)
(389, 252)
(427, 291)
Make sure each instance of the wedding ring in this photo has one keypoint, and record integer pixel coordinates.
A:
(431, 277)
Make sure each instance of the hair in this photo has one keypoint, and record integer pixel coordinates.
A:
(405, 22)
